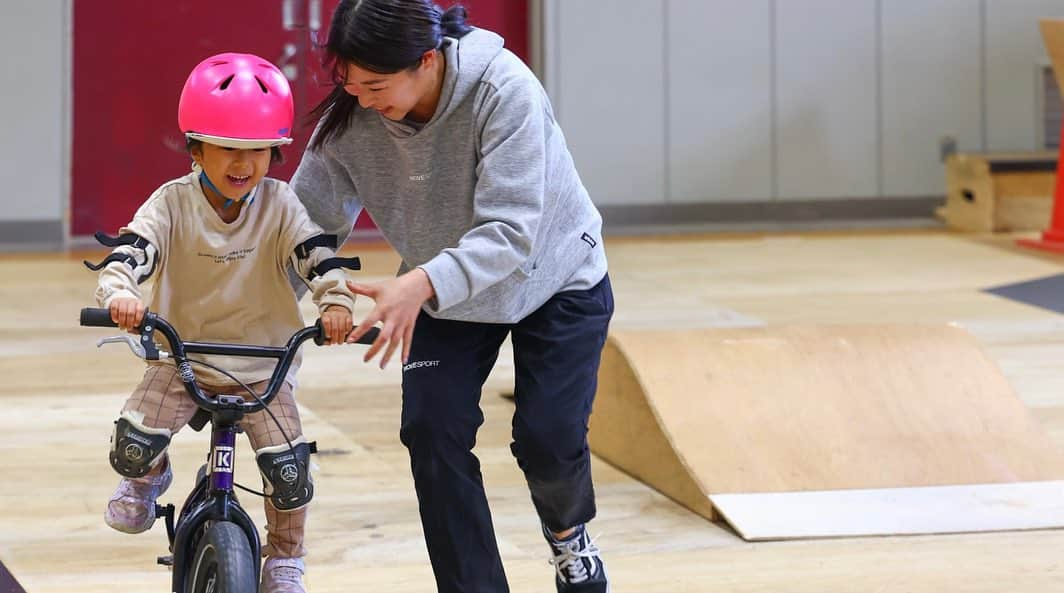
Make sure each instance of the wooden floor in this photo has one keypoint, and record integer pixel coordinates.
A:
(61, 394)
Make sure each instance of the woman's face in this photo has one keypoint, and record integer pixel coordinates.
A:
(394, 95)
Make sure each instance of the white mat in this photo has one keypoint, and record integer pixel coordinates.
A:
(894, 511)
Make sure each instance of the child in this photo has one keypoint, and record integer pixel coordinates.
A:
(218, 243)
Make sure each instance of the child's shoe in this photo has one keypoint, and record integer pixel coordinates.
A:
(577, 563)
(131, 508)
(282, 575)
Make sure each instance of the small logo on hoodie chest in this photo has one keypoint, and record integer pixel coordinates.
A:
(422, 177)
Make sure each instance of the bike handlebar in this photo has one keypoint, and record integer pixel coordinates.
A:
(95, 317)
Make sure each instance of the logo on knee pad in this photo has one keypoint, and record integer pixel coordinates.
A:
(289, 473)
(134, 452)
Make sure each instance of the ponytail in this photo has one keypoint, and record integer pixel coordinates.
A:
(453, 22)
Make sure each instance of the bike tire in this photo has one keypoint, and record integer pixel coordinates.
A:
(223, 562)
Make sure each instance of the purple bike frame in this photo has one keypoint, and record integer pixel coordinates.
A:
(222, 462)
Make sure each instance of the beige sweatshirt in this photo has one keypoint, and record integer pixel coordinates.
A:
(224, 282)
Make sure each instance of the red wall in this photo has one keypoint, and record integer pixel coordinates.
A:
(131, 58)
(508, 18)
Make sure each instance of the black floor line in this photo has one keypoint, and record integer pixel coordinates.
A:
(8, 584)
(1047, 293)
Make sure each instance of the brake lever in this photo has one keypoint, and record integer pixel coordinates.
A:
(130, 341)
(139, 349)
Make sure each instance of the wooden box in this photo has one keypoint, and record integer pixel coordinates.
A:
(999, 192)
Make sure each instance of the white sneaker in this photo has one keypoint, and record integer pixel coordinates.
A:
(282, 575)
(131, 508)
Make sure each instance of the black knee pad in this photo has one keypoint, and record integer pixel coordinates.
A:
(286, 474)
(136, 448)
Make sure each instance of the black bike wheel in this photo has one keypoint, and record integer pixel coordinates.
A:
(223, 562)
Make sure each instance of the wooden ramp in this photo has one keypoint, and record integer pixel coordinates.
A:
(1053, 37)
(830, 421)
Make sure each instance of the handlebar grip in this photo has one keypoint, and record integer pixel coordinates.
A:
(370, 336)
(367, 338)
(93, 317)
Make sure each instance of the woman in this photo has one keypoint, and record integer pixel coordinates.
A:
(450, 143)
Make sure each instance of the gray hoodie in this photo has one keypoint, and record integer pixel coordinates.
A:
(484, 196)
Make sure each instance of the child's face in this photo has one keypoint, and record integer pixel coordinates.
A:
(392, 95)
(234, 171)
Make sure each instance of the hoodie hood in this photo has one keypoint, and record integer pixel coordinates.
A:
(466, 60)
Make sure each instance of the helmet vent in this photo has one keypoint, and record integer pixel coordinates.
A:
(262, 85)
(219, 62)
(225, 83)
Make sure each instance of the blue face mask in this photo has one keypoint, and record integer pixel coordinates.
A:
(228, 202)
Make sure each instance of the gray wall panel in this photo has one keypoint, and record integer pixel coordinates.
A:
(931, 87)
(611, 97)
(826, 98)
(1013, 46)
(35, 78)
(720, 101)
(857, 93)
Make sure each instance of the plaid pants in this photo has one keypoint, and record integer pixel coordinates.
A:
(162, 398)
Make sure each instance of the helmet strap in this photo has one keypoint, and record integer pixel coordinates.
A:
(228, 202)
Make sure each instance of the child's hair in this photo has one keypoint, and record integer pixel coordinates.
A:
(276, 157)
(383, 36)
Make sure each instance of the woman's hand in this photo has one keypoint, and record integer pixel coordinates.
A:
(336, 321)
(398, 302)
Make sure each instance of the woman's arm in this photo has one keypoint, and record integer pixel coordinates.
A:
(508, 198)
(327, 192)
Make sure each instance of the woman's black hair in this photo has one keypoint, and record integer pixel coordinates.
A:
(383, 36)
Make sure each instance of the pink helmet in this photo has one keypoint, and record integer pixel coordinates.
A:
(237, 101)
